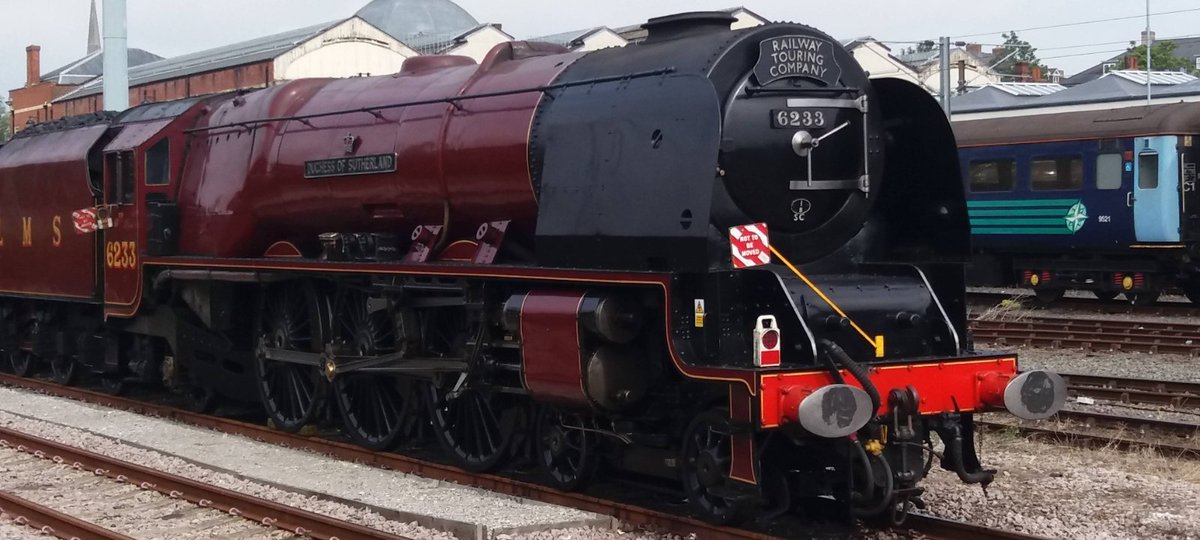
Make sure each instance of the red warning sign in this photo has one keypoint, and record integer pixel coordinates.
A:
(85, 220)
(750, 245)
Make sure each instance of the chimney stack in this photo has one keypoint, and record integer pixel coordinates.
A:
(1145, 36)
(1022, 71)
(33, 65)
(975, 48)
(1131, 62)
(999, 52)
(116, 57)
(1037, 74)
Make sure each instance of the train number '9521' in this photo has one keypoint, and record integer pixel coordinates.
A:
(120, 255)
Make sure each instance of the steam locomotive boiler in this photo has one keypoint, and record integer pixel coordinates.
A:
(723, 257)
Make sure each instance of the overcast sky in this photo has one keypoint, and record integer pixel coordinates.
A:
(172, 27)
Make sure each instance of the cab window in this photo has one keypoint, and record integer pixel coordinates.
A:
(120, 174)
(1108, 171)
(992, 175)
(1056, 173)
(158, 164)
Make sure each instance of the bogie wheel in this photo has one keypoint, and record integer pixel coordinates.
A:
(293, 316)
(1104, 295)
(706, 457)
(1144, 298)
(114, 384)
(63, 369)
(376, 408)
(566, 449)
(474, 425)
(22, 360)
(1047, 296)
(200, 399)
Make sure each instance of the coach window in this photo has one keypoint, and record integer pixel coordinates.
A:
(158, 164)
(1148, 170)
(1108, 171)
(1056, 173)
(993, 175)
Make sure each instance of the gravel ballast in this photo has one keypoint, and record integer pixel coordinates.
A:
(1061, 492)
(203, 454)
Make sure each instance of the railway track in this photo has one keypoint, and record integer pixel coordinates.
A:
(631, 515)
(1086, 334)
(52, 522)
(1112, 307)
(257, 511)
(1178, 395)
(1097, 430)
(947, 529)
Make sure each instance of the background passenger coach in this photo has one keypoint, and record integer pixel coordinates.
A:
(1101, 200)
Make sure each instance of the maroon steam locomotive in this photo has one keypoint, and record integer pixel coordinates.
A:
(534, 253)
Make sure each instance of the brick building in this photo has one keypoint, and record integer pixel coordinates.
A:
(375, 40)
(34, 102)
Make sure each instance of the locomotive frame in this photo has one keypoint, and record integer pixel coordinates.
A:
(566, 292)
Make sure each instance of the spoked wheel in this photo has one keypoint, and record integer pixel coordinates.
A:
(63, 369)
(1104, 294)
(566, 449)
(706, 456)
(293, 316)
(375, 407)
(475, 426)
(1143, 298)
(1047, 296)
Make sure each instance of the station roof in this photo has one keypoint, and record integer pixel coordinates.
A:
(1003, 95)
(92, 66)
(236, 54)
(440, 43)
(567, 38)
(1106, 123)
(408, 20)
(1113, 86)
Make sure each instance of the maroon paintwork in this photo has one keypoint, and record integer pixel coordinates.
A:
(43, 179)
(244, 185)
(551, 359)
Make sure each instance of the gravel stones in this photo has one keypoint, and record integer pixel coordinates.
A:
(261, 469)
(1060, 492)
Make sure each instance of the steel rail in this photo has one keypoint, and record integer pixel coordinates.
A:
(1059, 333)
(269, 513)
(1177, 394)
(949, 529)
(628, 514)
(51, 521)
(1071, 437)
(1171, 309)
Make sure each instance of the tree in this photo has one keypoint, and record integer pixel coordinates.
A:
(1017, 51)
(1163, 58)
(922, 47)
(4, 121)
